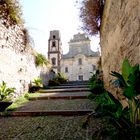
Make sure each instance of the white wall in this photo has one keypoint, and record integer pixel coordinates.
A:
(74, 69)
(17, 62)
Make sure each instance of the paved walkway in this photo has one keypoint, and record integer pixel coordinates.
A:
(47, 128)
(51, 127)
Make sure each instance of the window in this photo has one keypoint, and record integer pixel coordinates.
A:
(66, 69)
(94, 67)
(80, 77)
(80, 61)
(53, 44)
(53, 36)
(53, 61)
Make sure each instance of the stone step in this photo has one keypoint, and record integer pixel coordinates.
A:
(47, 113)
(76, 82)
(68, 86)
(61, 95)
(64, 90)
(73, 84)
(57, 97)
(61, 104)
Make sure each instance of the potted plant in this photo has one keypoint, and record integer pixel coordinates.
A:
(5, 96)
(35, 85)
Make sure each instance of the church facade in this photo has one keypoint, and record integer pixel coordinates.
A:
(79, 63)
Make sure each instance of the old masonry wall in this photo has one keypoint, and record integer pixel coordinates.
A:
(120, 36)
(17, 60)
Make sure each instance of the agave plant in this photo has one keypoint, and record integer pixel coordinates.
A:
(5, 92)
(37, 82)
(35, 85)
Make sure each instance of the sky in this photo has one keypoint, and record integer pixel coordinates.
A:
(42, 16)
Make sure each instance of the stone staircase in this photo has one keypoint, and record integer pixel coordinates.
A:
(73, 93)
(72, 84)
(56, 114)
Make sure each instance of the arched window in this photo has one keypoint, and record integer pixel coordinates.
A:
(53, 61)
(53, 44)
(53, 36)
(66, 69)
(80, 61)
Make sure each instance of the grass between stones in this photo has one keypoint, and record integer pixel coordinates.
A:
(77, 104)
(21, 101)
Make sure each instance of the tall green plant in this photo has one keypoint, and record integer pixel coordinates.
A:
(110, 107)
(96, 83)
(5, 92)
(125, 120)
(129, 81)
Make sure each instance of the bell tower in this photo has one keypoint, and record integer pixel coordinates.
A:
(54, 50)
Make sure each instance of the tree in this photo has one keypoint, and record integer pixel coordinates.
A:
(91, 15)
(40, 59)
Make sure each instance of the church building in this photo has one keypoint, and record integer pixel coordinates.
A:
(79, 63)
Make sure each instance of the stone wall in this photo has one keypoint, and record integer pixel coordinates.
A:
(120, 36)
(17, 62)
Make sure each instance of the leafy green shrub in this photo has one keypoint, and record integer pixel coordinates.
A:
(96, 83)
(126, 121)
(35, 85)
(59, 79)
(37, 82)
(40, 60)
(5, 93)
(10, 10)
(129, 82)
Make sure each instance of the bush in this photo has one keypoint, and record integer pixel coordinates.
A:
(96, 83)
(5, 92)
(129, 80)
(35, 85)
(10, 11)
(59, 79)
(40, 60)
(126, 121)
(37, 82)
